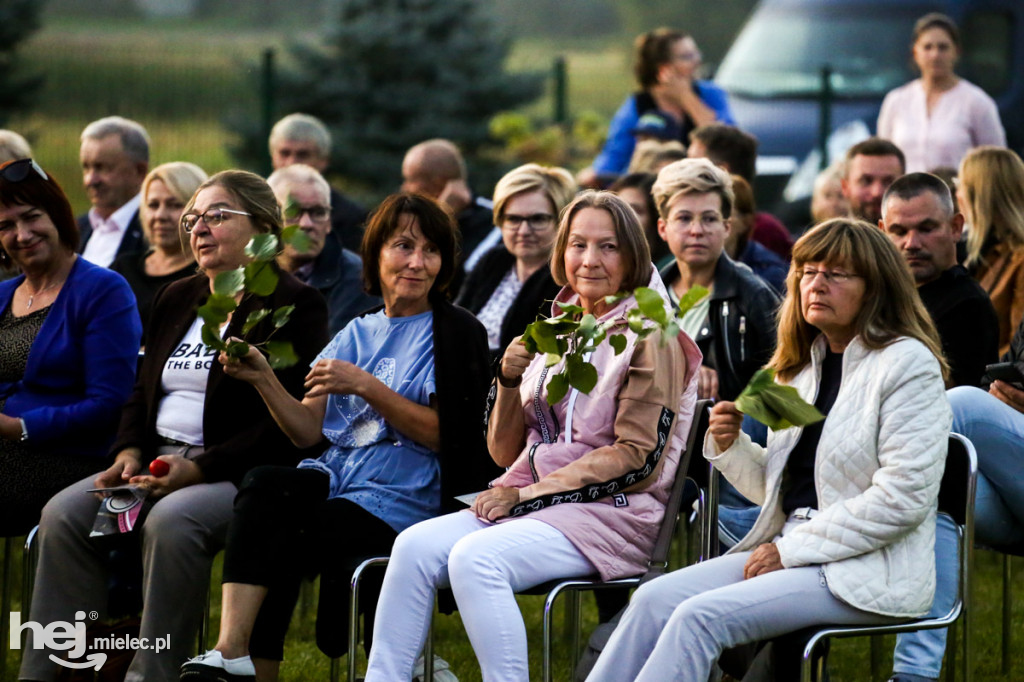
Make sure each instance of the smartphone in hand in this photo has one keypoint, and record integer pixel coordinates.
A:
(1010, 372)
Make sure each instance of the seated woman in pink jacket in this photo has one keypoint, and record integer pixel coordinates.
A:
(587, 478)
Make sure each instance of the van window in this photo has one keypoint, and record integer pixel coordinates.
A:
(987, 43)
(780, 52)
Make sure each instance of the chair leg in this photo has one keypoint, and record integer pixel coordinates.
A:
(428, 654)
(1007, 612)
(876, 656)
(5, 604)
(548, 635)
(29, 560)
(202, 636)
(574, 599)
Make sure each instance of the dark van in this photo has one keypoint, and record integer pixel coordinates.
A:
(773, 71)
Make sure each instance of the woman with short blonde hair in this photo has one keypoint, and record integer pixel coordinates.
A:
(510, 285)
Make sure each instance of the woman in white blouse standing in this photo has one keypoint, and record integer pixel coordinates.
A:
(937, 118)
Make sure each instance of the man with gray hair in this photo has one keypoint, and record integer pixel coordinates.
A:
(115, 160)
(301, 138)
(13, 147)
(305, 200)
(919, 216)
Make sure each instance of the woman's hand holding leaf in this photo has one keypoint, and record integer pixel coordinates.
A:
(515, 361)
(251, 367)
(724, 424)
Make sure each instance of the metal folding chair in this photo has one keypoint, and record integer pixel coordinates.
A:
(956, 498)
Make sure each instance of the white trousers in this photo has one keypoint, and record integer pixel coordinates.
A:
(677, 625)
(485, 565)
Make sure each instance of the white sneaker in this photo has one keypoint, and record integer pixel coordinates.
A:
(441, 671)
(213, 667)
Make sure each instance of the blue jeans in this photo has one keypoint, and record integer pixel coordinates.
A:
(997, 432)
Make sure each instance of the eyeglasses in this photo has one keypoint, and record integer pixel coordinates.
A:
(16, 171)
(317, 213)
(831, 277)
(213, 217)
(706, 220)
(537, 221)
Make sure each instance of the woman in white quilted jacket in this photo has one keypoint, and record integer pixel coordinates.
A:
(848, 504)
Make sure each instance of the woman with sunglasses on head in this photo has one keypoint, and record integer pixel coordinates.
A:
(165, 191)
(846, 531)
(508, 288)
(69, 335)
(205, 427)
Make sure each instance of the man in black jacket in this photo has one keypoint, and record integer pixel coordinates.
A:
(919, 216)
(336, 272)
(301, 138)
(115, 160)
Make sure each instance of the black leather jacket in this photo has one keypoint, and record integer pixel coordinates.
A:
(738, 336)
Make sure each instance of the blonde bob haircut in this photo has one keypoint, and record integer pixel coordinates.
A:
(557, 184)
(992, 179)
(633, 248)
(182, 179)
(692, 176)
(891, 307)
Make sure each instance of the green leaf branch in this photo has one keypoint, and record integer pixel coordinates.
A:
(258, 277)
(574, 333)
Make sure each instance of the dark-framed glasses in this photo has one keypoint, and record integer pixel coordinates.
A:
(536, 221)
(317, 213)
(213, 217)
(830, 276)
(16, 171)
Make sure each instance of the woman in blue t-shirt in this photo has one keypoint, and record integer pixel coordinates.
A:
(374, 394)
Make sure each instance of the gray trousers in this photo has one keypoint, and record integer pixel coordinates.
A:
(677, 625)
(180, 537)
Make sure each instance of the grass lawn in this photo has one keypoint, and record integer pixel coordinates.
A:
(181, 80)
(849, 660)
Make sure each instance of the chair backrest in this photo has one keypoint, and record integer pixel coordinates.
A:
(956, 498)
(658, 562)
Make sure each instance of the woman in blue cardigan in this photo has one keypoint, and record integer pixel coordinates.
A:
(69, 337)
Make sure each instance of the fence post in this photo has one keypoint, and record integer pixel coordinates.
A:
(267, 95)
(560, 112)
(825, 114)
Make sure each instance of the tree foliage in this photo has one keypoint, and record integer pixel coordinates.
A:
(19, 19)
(392, 73)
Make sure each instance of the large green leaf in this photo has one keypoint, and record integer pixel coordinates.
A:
(211, 338)
(282, 314)
(260, 278)
(569, 308)
(229, 283)
(292, 211)
(557, 388)
(216, 309)
(691, 298)
(294, 237)
(255, 317)
(581, 375)
(237, 349)
(280, 354)
(618, 342)
(774, 405)
(651, 304)
(262, 247)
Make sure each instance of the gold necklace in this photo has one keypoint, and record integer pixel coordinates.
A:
(32, 297)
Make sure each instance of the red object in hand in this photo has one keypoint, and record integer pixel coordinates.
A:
(159, 468)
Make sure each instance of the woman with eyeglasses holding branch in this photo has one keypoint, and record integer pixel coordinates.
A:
(847, 526)
(197, 430)
(508, 288)
(69, 335)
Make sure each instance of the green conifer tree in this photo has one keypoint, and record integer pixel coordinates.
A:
(19, 19)
(392, 73)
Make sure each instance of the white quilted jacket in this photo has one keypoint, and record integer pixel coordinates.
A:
(877, 472)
